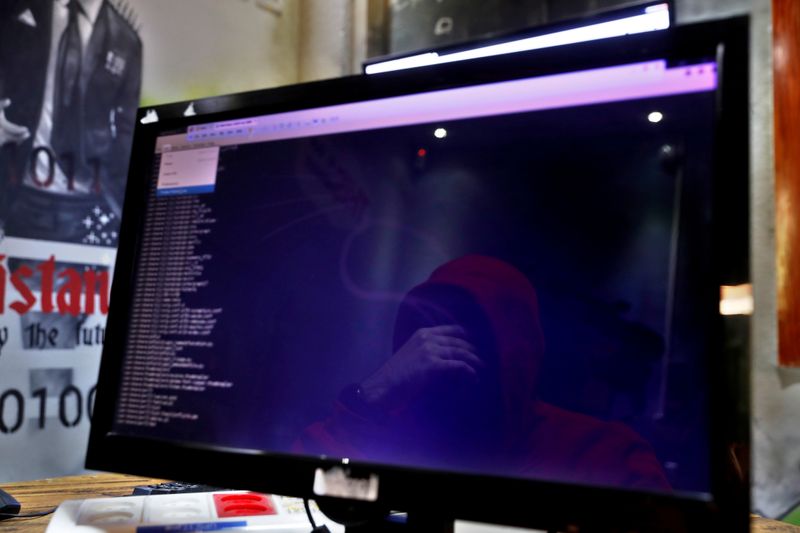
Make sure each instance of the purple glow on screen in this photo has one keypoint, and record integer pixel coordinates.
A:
(466, 284)
(610, 84)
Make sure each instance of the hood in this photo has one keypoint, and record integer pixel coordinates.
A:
(489, 296)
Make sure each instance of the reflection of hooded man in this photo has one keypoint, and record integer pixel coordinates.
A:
(460, 392)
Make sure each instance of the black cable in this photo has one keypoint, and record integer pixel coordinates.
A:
(10, 516)
(315, 529)
(308, 513)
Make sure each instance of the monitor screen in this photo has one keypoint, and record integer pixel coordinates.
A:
(475, 282)
(498, 279)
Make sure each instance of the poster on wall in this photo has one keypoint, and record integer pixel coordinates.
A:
(72, 75)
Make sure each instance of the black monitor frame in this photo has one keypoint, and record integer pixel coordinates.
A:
(446, 495)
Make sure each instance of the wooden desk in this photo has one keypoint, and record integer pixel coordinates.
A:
(45, 494)
(42, 495)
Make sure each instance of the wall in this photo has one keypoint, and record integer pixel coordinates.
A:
(216, 47)
(332, 38)
(688, 11)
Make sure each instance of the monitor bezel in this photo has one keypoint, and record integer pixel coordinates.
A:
(522, 502)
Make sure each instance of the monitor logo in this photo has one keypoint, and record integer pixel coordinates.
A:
(337, 482)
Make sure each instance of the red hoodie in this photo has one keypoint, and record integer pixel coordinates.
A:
(519, 435)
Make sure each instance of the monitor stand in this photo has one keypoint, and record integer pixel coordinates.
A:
(359, 517)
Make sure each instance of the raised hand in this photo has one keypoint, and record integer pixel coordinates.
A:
(10, 132)
(429, 354)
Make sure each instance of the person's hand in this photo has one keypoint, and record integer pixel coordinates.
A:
(10, 132)
(430, 354)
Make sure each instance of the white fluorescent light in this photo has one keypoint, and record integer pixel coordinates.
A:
(655, 18)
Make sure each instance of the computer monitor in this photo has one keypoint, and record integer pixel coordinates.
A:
(487, 290)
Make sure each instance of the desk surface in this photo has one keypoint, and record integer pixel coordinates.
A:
(42, 495)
